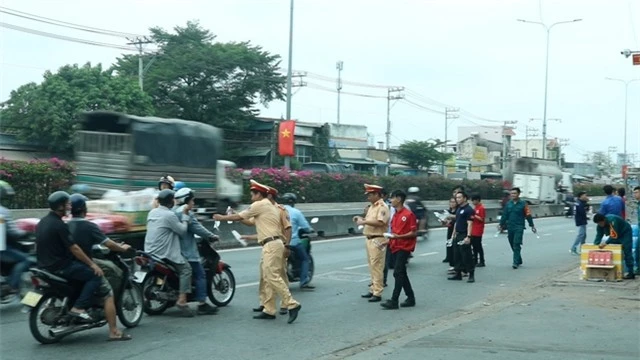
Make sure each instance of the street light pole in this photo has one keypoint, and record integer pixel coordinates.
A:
(287, 159)
(546, 77)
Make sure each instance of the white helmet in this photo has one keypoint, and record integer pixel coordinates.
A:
(413, 190)
(184, 195)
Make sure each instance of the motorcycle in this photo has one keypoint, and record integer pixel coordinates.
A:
(26, 245)
(568, 209)
(293, 263)
(160, 283)
(53, 297)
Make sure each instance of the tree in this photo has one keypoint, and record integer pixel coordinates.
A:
(422, 154)
(194, 78)
(47, 113)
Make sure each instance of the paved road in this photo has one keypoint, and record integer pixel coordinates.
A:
(336, 323)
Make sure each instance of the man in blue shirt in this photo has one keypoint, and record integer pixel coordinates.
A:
(582, 207)
(298, 222)
(612, 204)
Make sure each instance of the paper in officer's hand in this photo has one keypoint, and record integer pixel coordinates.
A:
(237, 236)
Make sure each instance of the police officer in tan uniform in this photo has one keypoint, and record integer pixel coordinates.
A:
(376, 223)
(267, 219)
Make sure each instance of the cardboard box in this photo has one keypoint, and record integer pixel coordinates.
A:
(611, 255)
(601, 274)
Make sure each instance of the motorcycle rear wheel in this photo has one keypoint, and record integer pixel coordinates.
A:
(152, 307)
(36, 314)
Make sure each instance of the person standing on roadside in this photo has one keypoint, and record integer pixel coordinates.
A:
(462, 239)
(478, 230)
(582, 207)
(375, 223)
(636, 195)
(515, 213)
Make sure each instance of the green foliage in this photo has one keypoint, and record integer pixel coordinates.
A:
(592, 189)
(321, 152)
(33, 181)
(193, 77)
(421, 154)
(322, 187)
(46, 113)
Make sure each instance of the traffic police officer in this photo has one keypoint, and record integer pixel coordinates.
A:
(376, 222)
(269, 229)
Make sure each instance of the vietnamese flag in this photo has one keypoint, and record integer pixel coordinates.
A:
(286, 144)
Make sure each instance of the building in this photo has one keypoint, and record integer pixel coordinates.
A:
(533, 148)
(352, 144)
(483, 147)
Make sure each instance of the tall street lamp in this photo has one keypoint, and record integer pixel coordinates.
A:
(626, 98)
(546, 77)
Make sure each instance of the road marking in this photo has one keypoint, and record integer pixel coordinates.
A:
(355, 267)
(247, 285)
(546, 234)
(571, 231)
(429, 253)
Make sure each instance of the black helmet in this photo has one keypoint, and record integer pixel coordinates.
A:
(6, 190)
(166, 197)
(289, 198)
(166, 180)
(57, 199)
(78, 204)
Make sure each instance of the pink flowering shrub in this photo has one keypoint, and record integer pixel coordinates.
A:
(34, 180)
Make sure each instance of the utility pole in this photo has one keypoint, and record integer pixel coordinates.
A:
(276, 124)
(449, 114)
(544, 134)
(339, 67)
(611, 150)
(506, 145)
(138, 42)
(561, 143)
(529, 132)
(390, 97)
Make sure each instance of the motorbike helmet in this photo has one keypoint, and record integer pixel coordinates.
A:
(184, 195)
(289, 198)
(6, 190)
(78, 204)
(166, 180)
(166, 197)
(57, 199)
(413, 190)
(179, 185)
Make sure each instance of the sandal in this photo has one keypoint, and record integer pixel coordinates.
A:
(122, 337)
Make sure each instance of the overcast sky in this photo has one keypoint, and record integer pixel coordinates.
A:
(471, 54)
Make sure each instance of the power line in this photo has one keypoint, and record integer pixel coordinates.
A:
(66, 38)
(50, 21)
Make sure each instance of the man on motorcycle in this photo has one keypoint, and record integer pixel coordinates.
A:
(414, 202)
(298, 223)
(12, 254)
(164, 231)
(165, 182)
(58, 254)
(87, 234)
(189, 247)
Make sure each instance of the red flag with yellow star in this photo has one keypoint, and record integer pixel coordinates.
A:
(286, 144)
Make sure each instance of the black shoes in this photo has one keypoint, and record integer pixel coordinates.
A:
(457, 276)
(264, 316)
(629, 276)
(390, 305)
(472, 278)
(375, 299)
(283, 311)
(206, 309)
(408, 303)
(481, 264)
(258, 309)
(293, 314)
(367, 295)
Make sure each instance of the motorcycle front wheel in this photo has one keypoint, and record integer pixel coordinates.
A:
(221, 287)
(152, 307)
(130, 307)
(43, 317)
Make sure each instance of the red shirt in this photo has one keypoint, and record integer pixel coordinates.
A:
(403, 222)
(477, 228)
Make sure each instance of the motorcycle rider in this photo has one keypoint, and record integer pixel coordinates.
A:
(165, 182)
(414, 202)
(164, 231)
(58, 254)
(298, 222)
(86, 234)
(12, 253)
(189, 247)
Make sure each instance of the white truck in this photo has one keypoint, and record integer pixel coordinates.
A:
(539, 180)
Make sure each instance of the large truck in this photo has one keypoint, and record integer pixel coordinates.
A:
(540, 181)
(116, 151)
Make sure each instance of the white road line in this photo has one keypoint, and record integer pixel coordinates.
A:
(429, 253)
(355, 267)
(247, 285)
(546, 234)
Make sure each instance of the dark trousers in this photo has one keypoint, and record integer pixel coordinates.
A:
(478, 251)
(626, 240)
(449, 256)
(389, 262)
(462, 255)
(400, 274)
(515, 241)
(80, 272)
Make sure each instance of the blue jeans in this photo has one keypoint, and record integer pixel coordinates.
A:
(22, 264)
(200, 280)
(80, 272)
(303, 258)
(581, 238)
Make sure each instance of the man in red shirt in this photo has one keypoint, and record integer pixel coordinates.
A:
(477, 230)
(402, 243)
